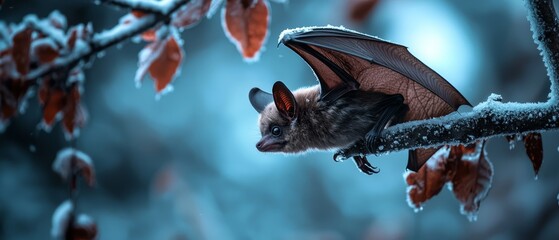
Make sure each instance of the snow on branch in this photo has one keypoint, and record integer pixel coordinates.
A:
(160, 7)
(491, 118)
(117, 34)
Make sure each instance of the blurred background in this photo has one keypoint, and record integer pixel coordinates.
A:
(186, 166)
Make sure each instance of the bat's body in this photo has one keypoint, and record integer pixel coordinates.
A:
(366, 84)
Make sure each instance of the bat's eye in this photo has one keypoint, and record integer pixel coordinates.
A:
(275, 130)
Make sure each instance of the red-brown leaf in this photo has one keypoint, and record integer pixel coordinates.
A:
(359, 10)
(164, 67)
(534, 150)
(149, 35)
(20, 53)
(246, 24)
(45, 52)
(70, 162)
(191, 14)
(65, 224)
(431, 177)
(83, 228)
(138, 13)
(72, 37)
(472, 180)
(53, 100)
(72, 115)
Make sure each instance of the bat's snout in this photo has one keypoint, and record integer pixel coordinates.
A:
(269, 144)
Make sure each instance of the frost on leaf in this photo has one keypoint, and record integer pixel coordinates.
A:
(74, 115)
(534, 150)
(65, 224)
(52, 99)
(465, 168)
(161, 59)
(83, 227)
(359, 10)
(21, 47)
(246, 24)
(61, 219)
(191, 13)
(45, 50)
(63, 103)
(70, 162)
(472, 180)
(431, 177)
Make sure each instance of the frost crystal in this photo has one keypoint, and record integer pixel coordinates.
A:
(287, 32)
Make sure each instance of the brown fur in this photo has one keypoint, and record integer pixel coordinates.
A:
(319, 125)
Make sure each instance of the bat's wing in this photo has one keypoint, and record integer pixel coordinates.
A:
(344, 60)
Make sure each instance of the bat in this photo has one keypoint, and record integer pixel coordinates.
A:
(365, 85)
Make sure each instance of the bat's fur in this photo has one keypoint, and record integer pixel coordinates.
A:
(320, 125)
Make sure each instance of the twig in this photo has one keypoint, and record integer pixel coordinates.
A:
(492, 118)
(103, 41)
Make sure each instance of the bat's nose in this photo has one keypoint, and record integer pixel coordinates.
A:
(259, 145)
(269, 144)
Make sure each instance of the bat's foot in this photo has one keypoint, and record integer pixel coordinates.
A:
(340, 156)
(343, 154)
(364, 165)
(370, 141)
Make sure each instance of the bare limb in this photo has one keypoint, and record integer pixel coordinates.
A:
(488, 119)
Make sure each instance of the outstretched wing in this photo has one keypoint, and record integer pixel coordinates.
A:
(344, 60)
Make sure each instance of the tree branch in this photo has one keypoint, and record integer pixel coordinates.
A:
(491, 118)
(109, 38)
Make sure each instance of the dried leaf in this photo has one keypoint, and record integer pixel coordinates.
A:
(431, 177)
(161, 59)
(164, 68)
(71, 39)
(70, 162)
(20, 53)
(53, 100)
(191, 13)
(83, 228)
(246, 25)
(359, 10)
(66, 226)
(138, 13)
(472, 180)
(73, 113)
(149, 35)
(534, 150)
(45, 51)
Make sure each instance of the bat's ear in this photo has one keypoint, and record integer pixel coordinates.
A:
(284, 100)
(259, 99)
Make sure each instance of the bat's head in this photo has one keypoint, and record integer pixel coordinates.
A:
(277, 120)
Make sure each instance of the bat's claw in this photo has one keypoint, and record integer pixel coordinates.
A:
(364, 165)
(340, 156)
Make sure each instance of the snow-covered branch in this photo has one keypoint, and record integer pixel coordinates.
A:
(159, 7)
(117, 34)
(491, 118)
